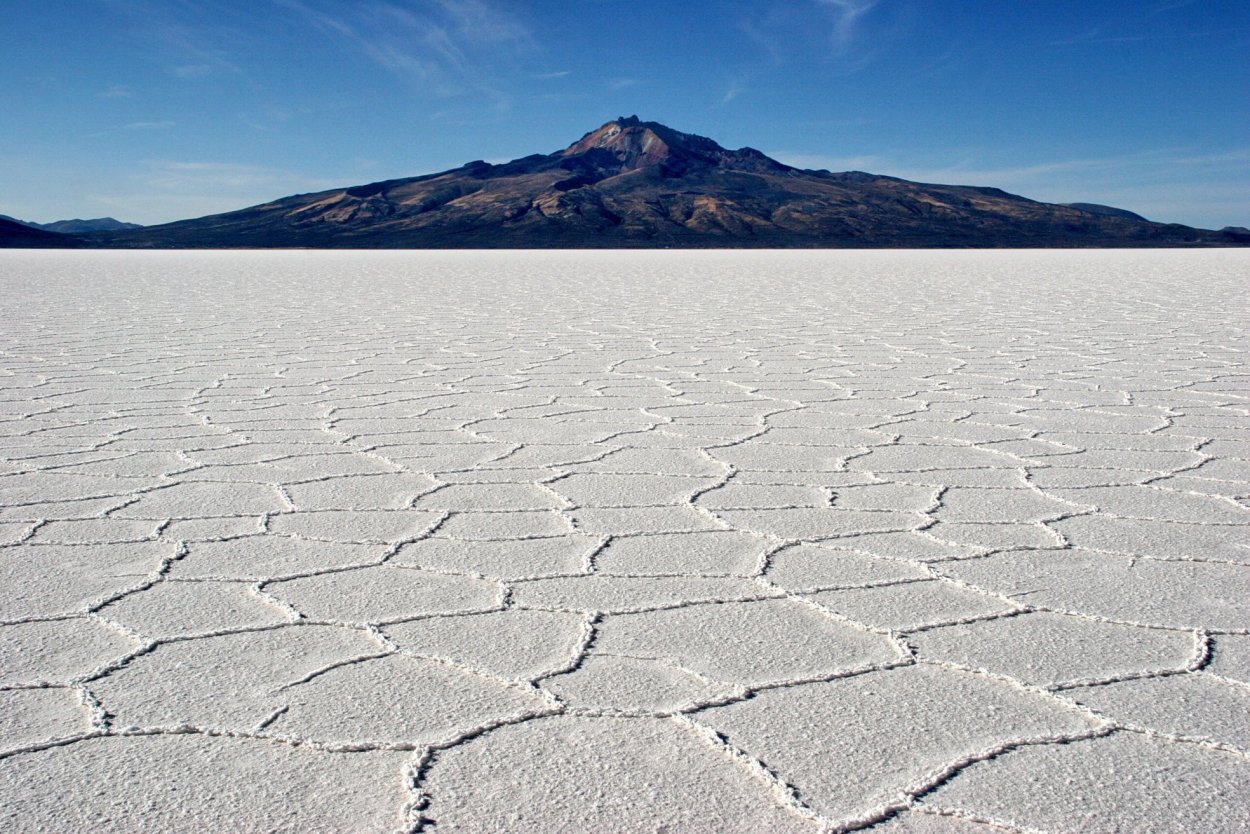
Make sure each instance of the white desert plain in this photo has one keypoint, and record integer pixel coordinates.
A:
(942, 542)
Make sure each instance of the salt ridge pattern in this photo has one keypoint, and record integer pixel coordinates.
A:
(602, 541)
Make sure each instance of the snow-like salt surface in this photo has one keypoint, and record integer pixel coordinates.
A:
(625, 542)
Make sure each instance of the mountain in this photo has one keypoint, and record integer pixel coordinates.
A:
(98, 224)
(632, 183)
(61, 234)
(16, 234)
(70, 227)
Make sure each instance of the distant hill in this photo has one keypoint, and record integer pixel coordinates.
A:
(59, 234)
(632, 183)
(70, 227)
(14, 234)
(99, 224)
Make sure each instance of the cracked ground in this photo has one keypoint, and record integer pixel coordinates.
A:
(938, 542)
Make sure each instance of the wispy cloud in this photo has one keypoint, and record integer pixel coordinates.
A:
(448, 45)
(622, 83)
(765, 41)
(1096, 37)
(1135, 24)
(481, 21)
(116, 91)
(195, 175)
(735, 84)
(139, 126)
(188, 40)
(847, 15)
(1169, 5)
(841, 37)
(192, 71)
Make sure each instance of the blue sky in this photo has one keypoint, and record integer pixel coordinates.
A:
(156, 110)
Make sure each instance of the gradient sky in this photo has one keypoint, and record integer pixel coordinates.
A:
(156, 110)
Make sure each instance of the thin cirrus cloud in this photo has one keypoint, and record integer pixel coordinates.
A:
(835, 33)
(192, 70)
(847, 15)
(187, 41)
(448, 45)
(181, 176)
(138, 127)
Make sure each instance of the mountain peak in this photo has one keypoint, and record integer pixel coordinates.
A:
(637, 144)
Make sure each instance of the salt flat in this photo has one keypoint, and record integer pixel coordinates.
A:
(604, 542)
